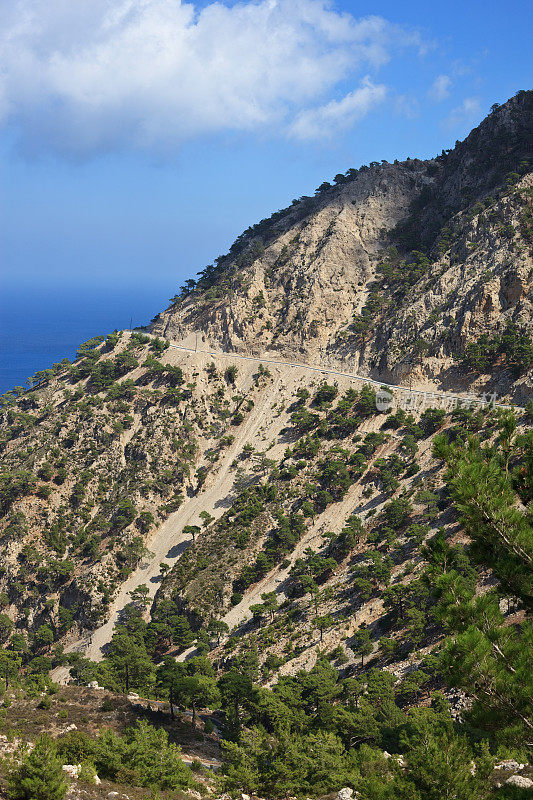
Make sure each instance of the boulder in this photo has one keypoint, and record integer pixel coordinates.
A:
(509, 765)
(345, 794)
(72, 770)
(520, 782)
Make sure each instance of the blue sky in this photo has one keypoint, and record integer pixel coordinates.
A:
(139, 137)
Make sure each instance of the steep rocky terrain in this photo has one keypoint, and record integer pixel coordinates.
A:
(390, 272)
(232, 481)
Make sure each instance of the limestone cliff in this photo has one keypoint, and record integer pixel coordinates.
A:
(390, 272)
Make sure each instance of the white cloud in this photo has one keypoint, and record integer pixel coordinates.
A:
(465, 113)
(78, 76)
(440, 88)
(324, 121)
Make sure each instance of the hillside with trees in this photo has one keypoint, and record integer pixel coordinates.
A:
(234, 562)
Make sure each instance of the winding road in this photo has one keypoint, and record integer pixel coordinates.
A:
(169, 541)
(428, 394)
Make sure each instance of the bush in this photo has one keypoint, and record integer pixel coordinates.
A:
(143, 757)
(87, 774)
(75, 747)
(40, 775)
(231, 374)
(325, 394)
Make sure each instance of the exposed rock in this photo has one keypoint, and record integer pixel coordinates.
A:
(510, 766)
(296, 294)
(520, 782)
(345, 794)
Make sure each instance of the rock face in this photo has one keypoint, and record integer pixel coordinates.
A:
(340, 278)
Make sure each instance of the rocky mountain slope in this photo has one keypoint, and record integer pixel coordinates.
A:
(391, 272)
(232, 482)
(398, 272)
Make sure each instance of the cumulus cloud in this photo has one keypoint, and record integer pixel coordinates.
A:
(83, 76)
(440, 88)
(327, 120)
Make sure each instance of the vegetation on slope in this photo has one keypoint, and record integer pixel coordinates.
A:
(357, 612)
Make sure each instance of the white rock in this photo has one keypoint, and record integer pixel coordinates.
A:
(345, 794)
(520, 782)
(245, 797)
(71, 728)
(133, 696)
(509, 765)
(112, 794)
(72, 770)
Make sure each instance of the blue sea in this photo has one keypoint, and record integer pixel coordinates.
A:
(39, 326)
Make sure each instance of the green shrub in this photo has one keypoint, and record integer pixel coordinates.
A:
(40, 775)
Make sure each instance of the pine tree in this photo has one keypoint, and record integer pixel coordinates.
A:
(502, 536)
(40, 775)
(169, 676)
(362, 643)
(323, 623)
(128, 660)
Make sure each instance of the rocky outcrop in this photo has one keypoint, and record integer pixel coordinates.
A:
(320, 282)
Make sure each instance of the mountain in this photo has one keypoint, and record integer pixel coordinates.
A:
(232, 484)
(392, 271)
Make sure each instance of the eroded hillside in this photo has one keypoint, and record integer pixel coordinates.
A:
(229, 500)
(391, 272)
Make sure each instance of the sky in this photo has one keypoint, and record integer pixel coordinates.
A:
(138, 138)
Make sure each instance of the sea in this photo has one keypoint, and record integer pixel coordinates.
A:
(41, 325)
